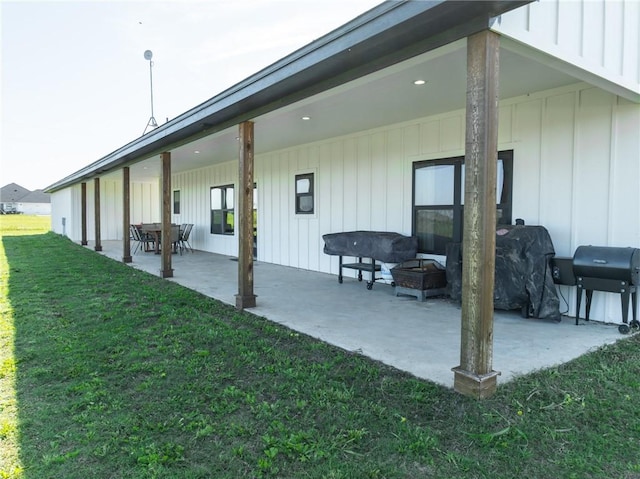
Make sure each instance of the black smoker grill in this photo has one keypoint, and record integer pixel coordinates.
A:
(611, 269)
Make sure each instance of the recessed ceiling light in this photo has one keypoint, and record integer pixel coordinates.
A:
(419, 82)
(197, 152)
(306, 118)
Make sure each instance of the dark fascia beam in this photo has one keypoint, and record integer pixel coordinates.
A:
(387, 34)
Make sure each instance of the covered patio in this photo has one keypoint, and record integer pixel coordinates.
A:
(422, 338)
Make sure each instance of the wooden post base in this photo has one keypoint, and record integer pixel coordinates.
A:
(97, 248)
(166, 273)
(243, 302)
(127, 259)
(477, 386)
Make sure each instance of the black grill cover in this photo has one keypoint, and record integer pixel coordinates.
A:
(380, 245)
(523, 274)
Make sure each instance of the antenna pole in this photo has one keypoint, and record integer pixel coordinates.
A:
(152, 121)
(151, 83)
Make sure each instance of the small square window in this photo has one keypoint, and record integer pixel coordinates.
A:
(304, 194)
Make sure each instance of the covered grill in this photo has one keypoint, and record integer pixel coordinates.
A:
(383, 246)
(612, 269)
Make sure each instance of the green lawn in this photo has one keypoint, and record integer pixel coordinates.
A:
(11, 225)
(109, 372)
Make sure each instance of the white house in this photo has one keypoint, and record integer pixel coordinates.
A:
(17, 199)
(346, 134)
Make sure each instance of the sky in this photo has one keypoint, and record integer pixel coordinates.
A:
(76, 85)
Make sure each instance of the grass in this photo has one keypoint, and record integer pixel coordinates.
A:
(12, 225)
(109, 372)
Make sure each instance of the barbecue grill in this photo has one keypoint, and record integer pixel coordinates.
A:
(612, 269)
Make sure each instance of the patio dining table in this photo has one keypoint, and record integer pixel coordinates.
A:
(155, 229)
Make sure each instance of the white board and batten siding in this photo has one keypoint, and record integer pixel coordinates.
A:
(598, 37)
(576, 172)
(195, 205)
(67, 204)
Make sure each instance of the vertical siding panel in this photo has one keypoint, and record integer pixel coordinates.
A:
(299, 162)
(107, 205)
(526, 168)
(322, 219)
(593, 155)
(91, 227)
(276, 225)
(631, 41)
(556, 191)
(337, 199)
(114, 200)
(394, 184)
(505, 124)
(593, 32)
(430, 138)
(451, 134)
(613, 36)
(411, 134)
(336, 220)
(570, 36)
(378, 205)
(285, 207)
(625, 207)
(309, 242)
(350, 182)
(543, 20)
(363, 183)
(265, 209)
(410, 147)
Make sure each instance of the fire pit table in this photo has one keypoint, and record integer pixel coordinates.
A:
(422, 278)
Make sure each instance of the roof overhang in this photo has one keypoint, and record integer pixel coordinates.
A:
(385, 35)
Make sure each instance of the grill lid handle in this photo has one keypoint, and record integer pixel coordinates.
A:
(600, 261)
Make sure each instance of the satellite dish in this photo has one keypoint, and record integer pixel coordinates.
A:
(148, 54)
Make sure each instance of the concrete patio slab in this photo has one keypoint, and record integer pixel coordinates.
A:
(422, 338)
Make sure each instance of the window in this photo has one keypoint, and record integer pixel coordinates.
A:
(176, 202)
(438, 200)
(222, 201)
(304, 194)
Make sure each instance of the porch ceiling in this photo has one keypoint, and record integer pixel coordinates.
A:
(381, 98)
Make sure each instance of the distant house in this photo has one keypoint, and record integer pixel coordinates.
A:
(15, 199)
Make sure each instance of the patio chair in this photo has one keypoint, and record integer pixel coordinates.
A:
(184, 237)
(175, 239)
(142, 239)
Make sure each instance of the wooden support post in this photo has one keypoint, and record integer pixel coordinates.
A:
(83, 208)
(166, 270)
(96, 203)
(475, 376)
(126, 216)
(244, 214)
